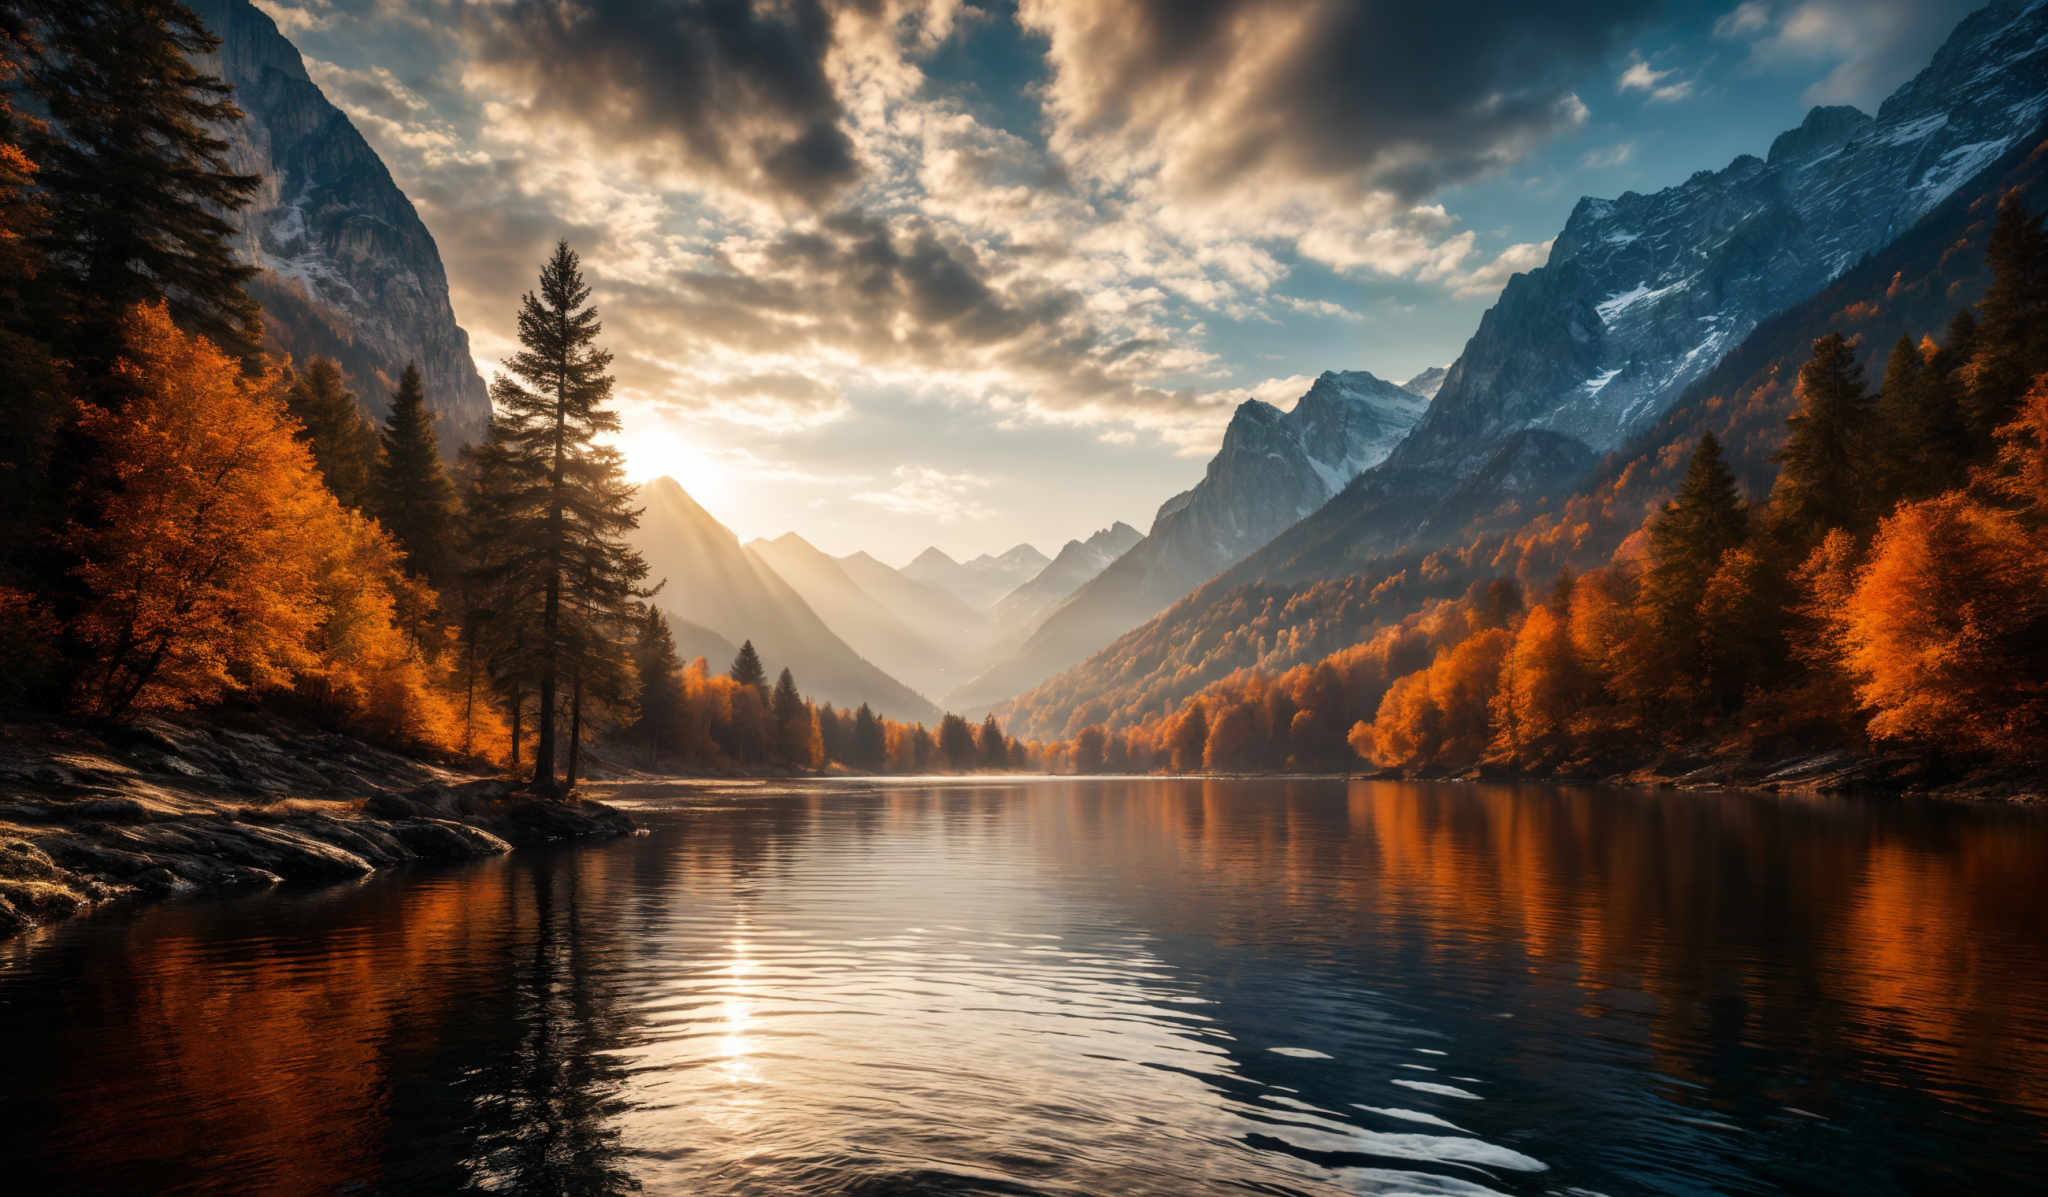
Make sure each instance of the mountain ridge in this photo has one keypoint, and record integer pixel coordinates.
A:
(1272, 468)
(349, 269)
(711, 581)
(1547, 324)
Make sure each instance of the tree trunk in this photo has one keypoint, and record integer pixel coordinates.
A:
(544, 749)
(515, 705)
(575, 726)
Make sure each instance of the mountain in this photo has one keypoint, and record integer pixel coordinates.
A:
(349, 271)
(918, 603)
(889, 636)
(1076, 564)
(1643, 294)
(1427, 383)
(1274, 467)
(1642, 297)
(714, 584)
(981, 582)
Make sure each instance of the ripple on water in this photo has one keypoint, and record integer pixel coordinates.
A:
(1145, 988)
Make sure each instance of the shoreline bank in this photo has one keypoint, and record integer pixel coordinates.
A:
(163, 810)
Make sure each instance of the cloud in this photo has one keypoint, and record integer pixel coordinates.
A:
(1608, 156)
(1484, 282)
(307, 16)
(746, 95)
(1263, 101)
(1873, 45)
(1641, 76)
(930, 493)
(1748, 17)
(1319, 307)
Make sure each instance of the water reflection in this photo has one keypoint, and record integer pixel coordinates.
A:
(1132, 986)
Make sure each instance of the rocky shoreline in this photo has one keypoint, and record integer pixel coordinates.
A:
(1831, 772)
(164, 809)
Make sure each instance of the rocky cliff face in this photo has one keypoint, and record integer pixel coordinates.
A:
(1274, 468)
(1645, 293)
(349, 270)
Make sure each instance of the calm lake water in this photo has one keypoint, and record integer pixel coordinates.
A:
(1081, 987)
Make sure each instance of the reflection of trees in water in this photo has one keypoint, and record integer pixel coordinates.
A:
(1879, 960)
(522, 1088)
(544, 1127)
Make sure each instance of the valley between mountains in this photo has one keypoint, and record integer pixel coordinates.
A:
(1355, 538)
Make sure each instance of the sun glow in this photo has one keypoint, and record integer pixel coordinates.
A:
(654, 446)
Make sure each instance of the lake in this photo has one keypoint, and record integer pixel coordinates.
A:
(1080, 986)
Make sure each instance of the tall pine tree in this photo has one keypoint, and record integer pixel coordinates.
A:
(411, 495)
(142, 178)
(2012, 342)
(659, 705)
(870, 741)
(572, 506)
(1823, 479)
(344, 448)
(747, 670)
(792, 722)
(1688, 540)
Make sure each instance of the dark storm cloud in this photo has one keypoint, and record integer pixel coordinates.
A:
(736, 89)
(1403, 97)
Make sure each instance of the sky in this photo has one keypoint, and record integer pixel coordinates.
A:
(897, 273)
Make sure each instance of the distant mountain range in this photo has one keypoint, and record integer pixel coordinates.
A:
(917, 651)
(1274, 467)
(1077, 564)
(712, 583)
(1641, 296)
(349, 271)
(1427, 383)
(982, 582)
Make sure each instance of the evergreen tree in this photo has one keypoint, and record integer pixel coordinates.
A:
(572, 507)
(2013, 341)
(1923, 440)
(832, 734)
(1688, 539)
(747, 669)
(498, 590)
(659, 705)
(792, 721)
(870, 743)
(1822, 480)
(994, 746)
(334, 429)
(956, 742)
(412, 496)
(28, 385)
(140, 178)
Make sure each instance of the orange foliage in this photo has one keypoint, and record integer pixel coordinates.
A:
(1440, 715)
(216, 562)
(201, 581)
(1945, 628)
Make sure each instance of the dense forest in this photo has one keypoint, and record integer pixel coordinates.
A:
(195, 519)
(1884, 590)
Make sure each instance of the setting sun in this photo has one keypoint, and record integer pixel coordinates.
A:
(654, 447)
